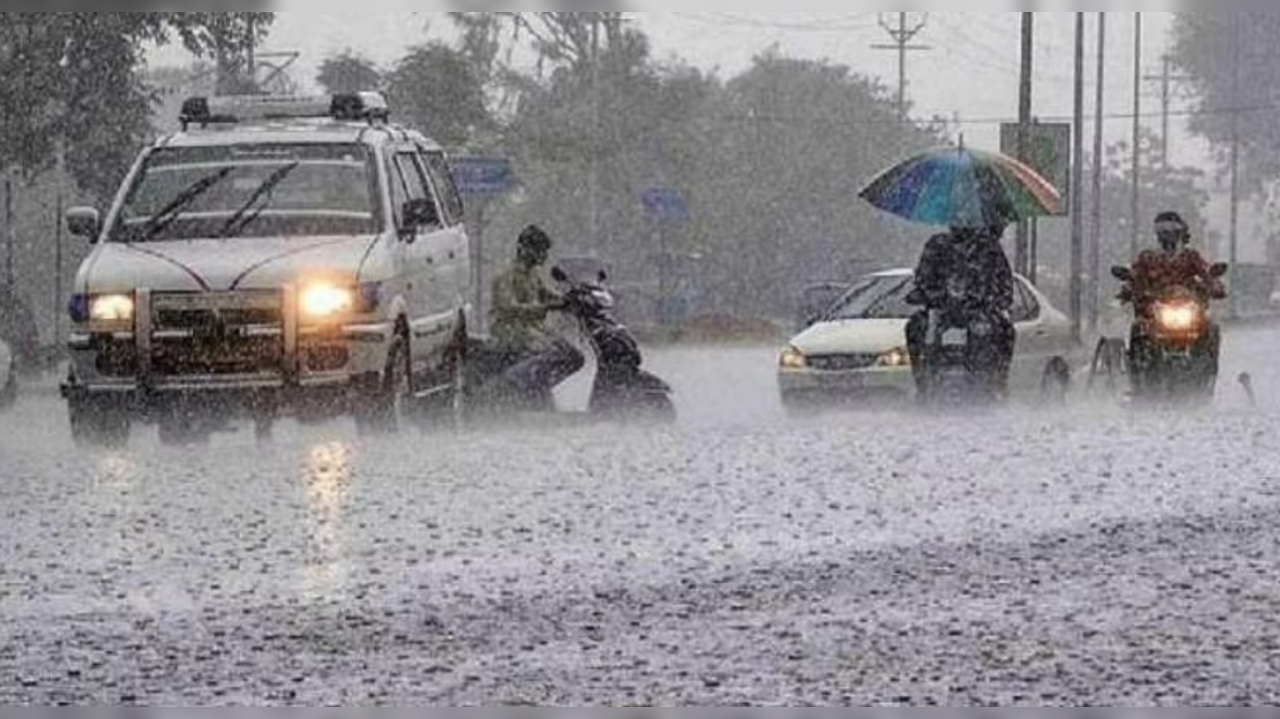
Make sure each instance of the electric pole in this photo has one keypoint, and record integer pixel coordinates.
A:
(1238, 32)
(1135, 197)
(1023, 260)
(1095, 239)
(903, 33)
(1166, 78)
(1077, 181)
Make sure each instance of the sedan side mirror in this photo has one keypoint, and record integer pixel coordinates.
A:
(1124, 274)
(84, 222)
(1218, 270)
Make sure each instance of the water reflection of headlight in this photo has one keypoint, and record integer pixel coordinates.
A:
(328, 475)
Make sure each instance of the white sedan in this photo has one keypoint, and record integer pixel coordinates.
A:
(8, 378)
(857, 350)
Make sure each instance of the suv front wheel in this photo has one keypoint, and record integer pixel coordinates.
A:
(98, 422)
(381, 401)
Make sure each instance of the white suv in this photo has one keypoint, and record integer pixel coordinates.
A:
(296, 255)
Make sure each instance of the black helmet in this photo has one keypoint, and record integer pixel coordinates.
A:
(533, 238)
(1171, 230)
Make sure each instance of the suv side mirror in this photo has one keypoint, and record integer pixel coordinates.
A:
(417, 214)
(1124, 274)
(1218, 270)
(84, 222)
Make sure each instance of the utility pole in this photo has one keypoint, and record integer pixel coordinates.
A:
(902, 34)
(1238, 32)
(1077, 181)
(1095, 239)
(593, 221)
(1166, 78)
(1135, 197)
(1023, 256)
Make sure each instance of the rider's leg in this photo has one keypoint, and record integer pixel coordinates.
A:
(917, 326)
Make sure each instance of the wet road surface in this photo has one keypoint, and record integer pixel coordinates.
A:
(1034, 555)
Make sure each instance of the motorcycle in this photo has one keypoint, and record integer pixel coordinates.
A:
(960, 352)
(1174, 324)
(622, 389)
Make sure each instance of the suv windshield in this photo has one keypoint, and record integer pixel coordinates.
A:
(278, 190)
(876, 298)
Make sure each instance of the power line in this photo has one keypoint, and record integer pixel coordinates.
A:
(837, 24)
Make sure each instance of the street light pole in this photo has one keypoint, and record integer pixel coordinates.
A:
(1077, 181)
(1095, 240)
(1023, 261)
(1135, 197)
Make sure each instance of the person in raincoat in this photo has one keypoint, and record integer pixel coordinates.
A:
(974, 255)
(539, 360)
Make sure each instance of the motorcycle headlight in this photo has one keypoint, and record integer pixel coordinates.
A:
(1178, 317)
(111, 308)
(895, 358)
(793, 359)
(323, 302)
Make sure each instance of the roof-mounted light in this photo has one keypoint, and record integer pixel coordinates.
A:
(370, 106)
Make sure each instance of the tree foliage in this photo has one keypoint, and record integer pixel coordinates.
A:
(349, 72)
(72, 80)
(1209, 47)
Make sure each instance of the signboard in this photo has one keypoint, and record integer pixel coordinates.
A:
(482, 176)
(1048, 153)
(664, 203)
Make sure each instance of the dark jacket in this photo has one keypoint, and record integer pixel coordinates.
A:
(978, 261)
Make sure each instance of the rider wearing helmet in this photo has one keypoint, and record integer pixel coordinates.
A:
(1174, 264)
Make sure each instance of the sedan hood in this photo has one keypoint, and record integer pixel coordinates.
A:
(852, 337)
(223, 265)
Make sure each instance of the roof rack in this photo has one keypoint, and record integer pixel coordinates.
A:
(371, 107)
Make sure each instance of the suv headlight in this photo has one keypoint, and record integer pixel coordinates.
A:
(324, 302)
(111, 308)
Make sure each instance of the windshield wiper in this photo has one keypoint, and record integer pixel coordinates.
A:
(165, 217)
(242, 219)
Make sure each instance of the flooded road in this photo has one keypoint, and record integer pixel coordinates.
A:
(1045, 555)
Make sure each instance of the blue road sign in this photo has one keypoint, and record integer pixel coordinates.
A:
(479, 176)
(665, 203)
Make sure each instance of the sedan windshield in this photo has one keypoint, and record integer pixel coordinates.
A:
(250, 191)
(876, 298)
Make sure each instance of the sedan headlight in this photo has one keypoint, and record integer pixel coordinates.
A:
(111, 308)
(793, 359)
(895, 358)
(323, 302)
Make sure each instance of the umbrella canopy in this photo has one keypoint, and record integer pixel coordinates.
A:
(958, 187)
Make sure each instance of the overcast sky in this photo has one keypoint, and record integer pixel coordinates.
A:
(970, 72)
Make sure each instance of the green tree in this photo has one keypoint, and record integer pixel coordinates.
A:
(1209, 48)
(72, 80)
(436, 89)
(349, 72)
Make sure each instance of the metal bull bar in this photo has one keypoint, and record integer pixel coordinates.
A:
(146, 335)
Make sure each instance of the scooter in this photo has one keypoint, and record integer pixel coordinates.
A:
(960, 355)
(622, 388)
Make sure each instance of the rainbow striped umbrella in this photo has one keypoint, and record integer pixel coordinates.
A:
(958, 187)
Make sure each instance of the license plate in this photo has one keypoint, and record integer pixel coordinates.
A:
(955, 338)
